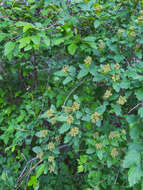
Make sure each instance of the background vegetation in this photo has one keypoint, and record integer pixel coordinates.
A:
(71, 94)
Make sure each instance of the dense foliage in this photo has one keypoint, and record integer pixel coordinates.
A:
(71, 94)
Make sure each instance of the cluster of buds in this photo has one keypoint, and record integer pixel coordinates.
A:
(95, 117)
(75, 106)
(114, 152)
(70, 119)
(122, 100)
(53, 120)
(51, 146)
(51, 159)
(140, 18)
(98, 8)
(101, 45)
(114, 135)
(115, 77)
(120, 31)
(51, 169)
(58, 139)
(74, 131)
(95, 135)
(107, 94)
(40, 155)
(68, 109)
(138, 46)
(117, 66)
(87, 61)
(132, 28)
(43, 133)
(50, 113)
(98, 146)
(133, 34)
(65, 69)
(106, 69)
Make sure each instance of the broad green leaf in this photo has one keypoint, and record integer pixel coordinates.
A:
(58, 41)
(139, 94)
(134, 175)
(83, 72)
(80, 168)
(96, 24)
(36, 39)
(8, 48)
(67, 80)
(64, 128)
(72, 48)
(132, 158)
(140, 112)
(2, 36)
(24, 42)
(40, 170)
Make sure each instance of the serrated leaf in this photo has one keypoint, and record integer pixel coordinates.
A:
(132, 157)
(134, 175)
(72, 48)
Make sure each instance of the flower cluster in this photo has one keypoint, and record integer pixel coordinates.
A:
(87, 60)
(51, 169)
(74, 131)
(101, 45)
(53, 120)
(114, 152)
(120, 31)
(51, 146)
(106, 68)
(122, 100)
(68, 109)
(50, 113)
(107, 94)
(117, 66)
(96, 135)
(98, 8)
(113, 135)
(43, 133)
(51, 159)
(95, 117)
(115, 77)
(65, 69)
(70, 119)
(133, 34)
(98, 145)
(132, 28)
(58, 138)
(75, 106)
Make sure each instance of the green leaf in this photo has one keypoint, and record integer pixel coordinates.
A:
(8, 48)
(140, 112)
(58, 41)
(2, 36)
(116, 86)
(134, 175)
(40, 170)
(64, 128)
(80, 169)
(96, 24)
(132, 157)
(83, 72)
(36, 39)
(24, 42)
(67, 80)
(139, 94)
(72, 48)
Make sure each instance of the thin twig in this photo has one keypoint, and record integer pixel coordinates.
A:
(135, 107)
(79, 84)
(116, 177)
